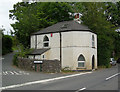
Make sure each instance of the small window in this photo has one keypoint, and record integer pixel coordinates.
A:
(46, 42)
(81, 61)
(93, 41)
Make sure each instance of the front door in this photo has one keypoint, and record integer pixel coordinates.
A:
(93, 62)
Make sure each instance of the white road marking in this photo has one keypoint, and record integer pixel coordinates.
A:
(81, 89)
(14, 73)
(112, 76)
(5, 73)
(42, 81)
(2, 58)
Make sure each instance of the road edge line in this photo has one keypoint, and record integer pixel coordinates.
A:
(84, 88)
(42, 81)
(112, 76)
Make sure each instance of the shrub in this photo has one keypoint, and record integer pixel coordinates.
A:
(15, 61)
(6, 44)
(20, 52)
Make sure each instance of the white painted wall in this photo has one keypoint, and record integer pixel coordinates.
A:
(74, 43)
(81, 39)
(32, 41)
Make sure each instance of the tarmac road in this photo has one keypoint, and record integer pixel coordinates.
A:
(102, 79)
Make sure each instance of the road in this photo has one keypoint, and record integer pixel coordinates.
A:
(17, 79)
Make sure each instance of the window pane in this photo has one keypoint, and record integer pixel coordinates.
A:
(80, 64)
(93, 45)
(46, 38)
(92, 37)
(46, 44)
(81, 58)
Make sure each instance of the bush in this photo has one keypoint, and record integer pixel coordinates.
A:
(15, 61)
(6, 44)
(21, 52)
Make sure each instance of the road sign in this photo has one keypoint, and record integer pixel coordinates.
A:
(38, 62)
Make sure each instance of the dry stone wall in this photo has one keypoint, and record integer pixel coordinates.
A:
(49, 66)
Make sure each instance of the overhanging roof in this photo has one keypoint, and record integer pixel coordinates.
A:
(39, 51)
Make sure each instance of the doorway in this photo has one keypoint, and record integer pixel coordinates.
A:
(93, 62)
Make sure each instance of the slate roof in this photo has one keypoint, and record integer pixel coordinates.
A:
(39, 51)
(63, 27)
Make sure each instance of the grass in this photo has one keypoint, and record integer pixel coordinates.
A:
(103, 66)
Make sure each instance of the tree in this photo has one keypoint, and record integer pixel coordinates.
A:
(113, 13)
(6, 44)
(95, 19)
(35, 16)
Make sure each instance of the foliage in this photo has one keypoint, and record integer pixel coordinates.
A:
(95, 19)
(6, 44)
(104, 50)
(117, 45)
(1, 33)
(113, 13)
(21, 51)
(15, 61)
(15, 43)
(35, 16)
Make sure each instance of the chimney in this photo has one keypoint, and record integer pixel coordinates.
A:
(77, 17)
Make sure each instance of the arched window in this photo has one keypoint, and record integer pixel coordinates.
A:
(81, 61)
(46, 41)
(93, 41)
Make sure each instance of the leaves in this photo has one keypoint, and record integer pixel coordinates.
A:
(35, 16)
(113, 13)
(95, 18)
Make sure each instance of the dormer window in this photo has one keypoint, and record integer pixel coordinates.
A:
(45, 41)
(93, 41)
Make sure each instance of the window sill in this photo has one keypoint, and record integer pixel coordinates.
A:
(46, 47)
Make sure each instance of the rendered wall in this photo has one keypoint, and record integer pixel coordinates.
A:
(74, 43)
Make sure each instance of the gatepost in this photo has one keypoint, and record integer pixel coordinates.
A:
(38, 65)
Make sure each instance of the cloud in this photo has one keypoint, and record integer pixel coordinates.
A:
(5, 6)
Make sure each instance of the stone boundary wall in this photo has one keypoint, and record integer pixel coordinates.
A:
(49, 66)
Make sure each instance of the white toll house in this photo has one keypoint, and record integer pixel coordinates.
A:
(70, 42)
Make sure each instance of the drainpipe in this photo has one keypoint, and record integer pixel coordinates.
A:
(60, 49)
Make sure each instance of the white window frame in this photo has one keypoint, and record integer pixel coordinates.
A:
(81, 61)
(45, 42)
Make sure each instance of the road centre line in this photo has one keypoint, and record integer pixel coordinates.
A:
(42, 81)
(81, 89)
(112, 76)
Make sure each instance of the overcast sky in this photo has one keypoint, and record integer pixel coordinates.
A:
(5, 6)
